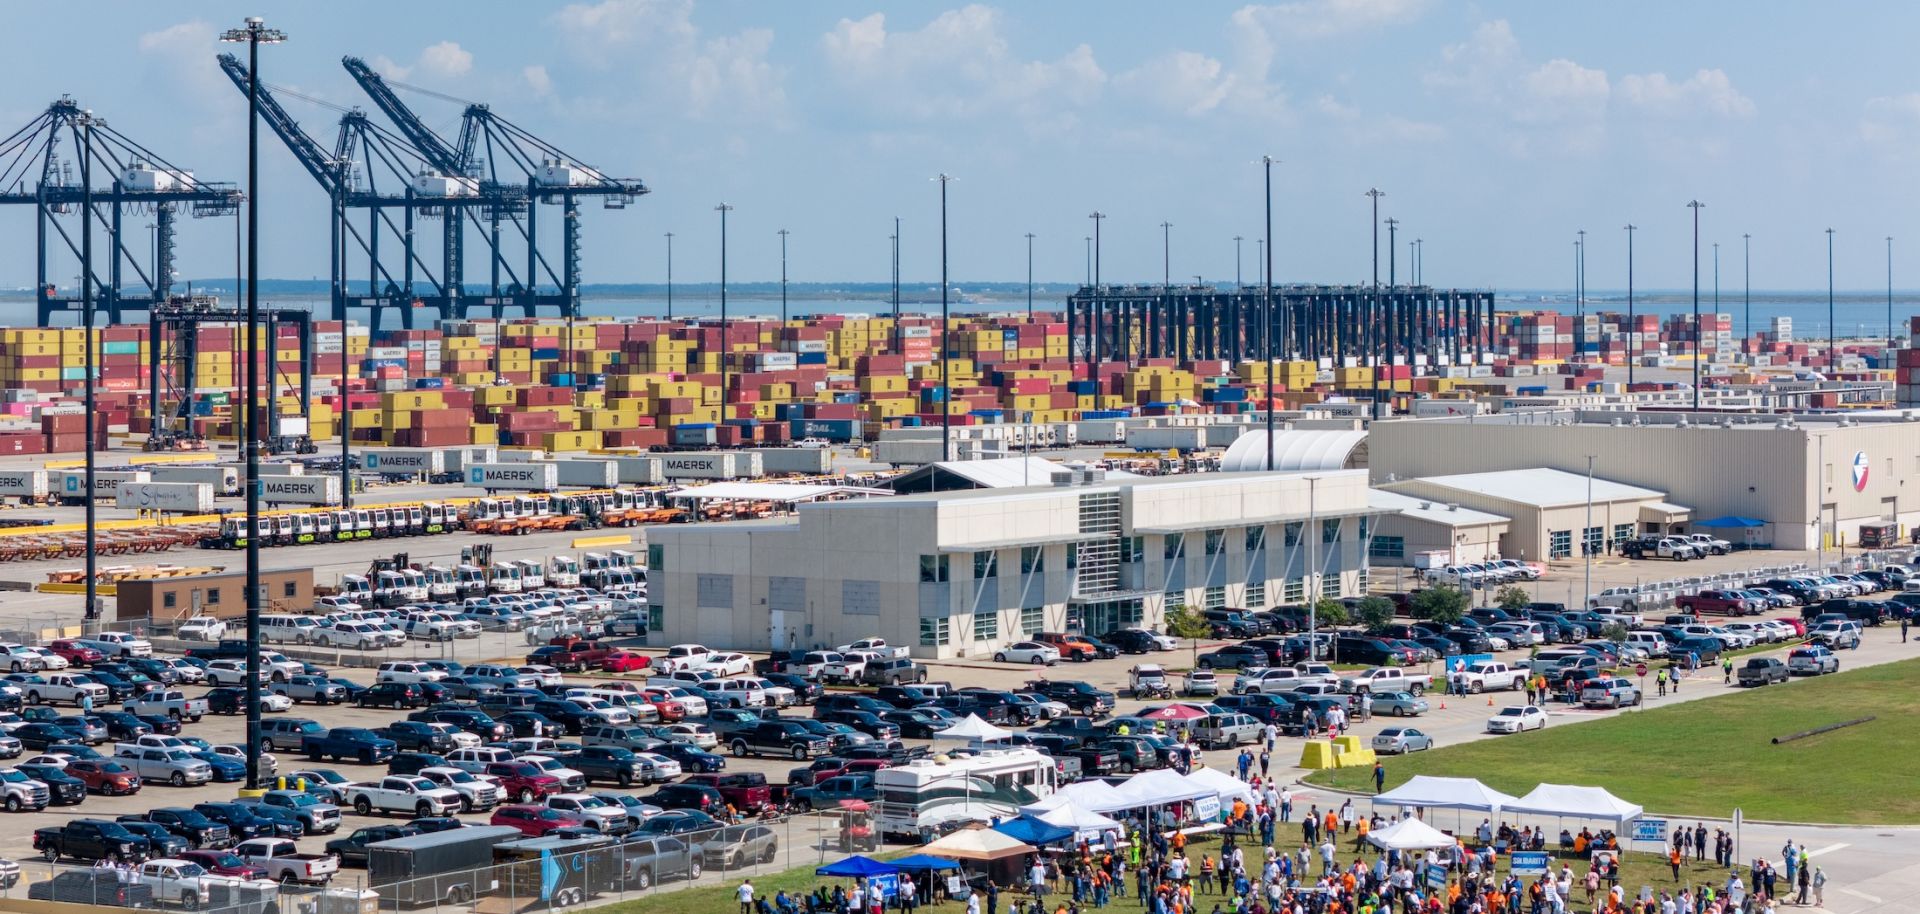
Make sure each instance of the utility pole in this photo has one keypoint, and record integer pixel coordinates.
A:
(723, 209)
(946, 347)
(1370, 337)
(1029, 276)
(1236, 261)
(1890, 339)
(255, 33)
(1586, 536)
(1098, 309)
(669, 276)
(1580, 294)
(1419, 261)
(783, 275)
(1833, 345)
(92, 611)
(1393, 246)
(1695, 206)
(896, 284)
(1393, 321)
(1632, 329)
(1266, 306)
(1746, 270)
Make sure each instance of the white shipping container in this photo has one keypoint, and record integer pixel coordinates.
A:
(177, 497)
(404, 461)
(23, 483)
(459, 458)
(282, 469)
(1185, 438)
(591, 474)
(300, 490)
(711, 465)
(804, 460)
(73, 483)
(528, 455)
(643, 471)
(514, 477)
(224, 480)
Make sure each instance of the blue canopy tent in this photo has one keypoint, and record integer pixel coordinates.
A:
(919, 862)
(1731, 521)
(1033, 831)
(856, 866)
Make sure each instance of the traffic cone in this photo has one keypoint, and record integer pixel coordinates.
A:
(1443, 704)
(1489, 701)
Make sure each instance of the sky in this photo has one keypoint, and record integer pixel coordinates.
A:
(1496, 130)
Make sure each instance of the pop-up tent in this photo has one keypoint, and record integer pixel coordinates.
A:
(1445, 793)
(1222, 783)
(1410, 835)
(1033, 830)
(1095, 796)
(978, 843)
(1571, 802)
(1160, 787)
(974, 730)
(856, 867)
(1083, 821)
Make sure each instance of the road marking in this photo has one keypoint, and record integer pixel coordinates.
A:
(1871, 899)
(1826, 850)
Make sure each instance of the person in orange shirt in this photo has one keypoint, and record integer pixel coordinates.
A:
(1332, 823)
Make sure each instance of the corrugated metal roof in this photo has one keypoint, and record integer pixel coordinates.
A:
(1427, 509)
(1294, 450)
(1541, 487)
(770, 491)
(1001, 472)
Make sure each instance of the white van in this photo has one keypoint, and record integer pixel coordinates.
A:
(1654, 643)
(284, 628)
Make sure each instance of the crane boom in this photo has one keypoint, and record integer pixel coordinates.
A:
(322, 166)
(429, 144)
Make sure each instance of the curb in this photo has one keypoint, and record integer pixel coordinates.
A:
(1335, 791)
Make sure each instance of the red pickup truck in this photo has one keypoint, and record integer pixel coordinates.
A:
(1715, 603)
(746, 791)
(576, 657)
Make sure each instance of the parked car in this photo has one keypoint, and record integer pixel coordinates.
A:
(1761, 671)
(1516, 719)
(1812, 660)
(1401, 740)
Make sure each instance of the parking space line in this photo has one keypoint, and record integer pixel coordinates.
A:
(1827, 850)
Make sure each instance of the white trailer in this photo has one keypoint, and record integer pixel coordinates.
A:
(514, 477)
(711, 465)
(642, 471)
(224, 480)
(810, 461)
(459, 458)
(405, 461)
(179, 497)
(283, 469)
(23, 483)
(300, 490)
(592, 474)
(73, 483)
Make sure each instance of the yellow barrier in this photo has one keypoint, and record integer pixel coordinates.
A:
(1317, 753)
(129, 524)
(584, 541)
(105, 590)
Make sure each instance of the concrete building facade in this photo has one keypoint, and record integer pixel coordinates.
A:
(1551, 514)
(221, 595)
(1455, 534)
(957, 574)
(1812, 479)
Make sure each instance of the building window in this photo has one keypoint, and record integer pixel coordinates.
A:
(1256, 597)
(1214, 598)
(1033, 620)
(213, 596)
(1170, 547)
(169, 599)
(1387, 547)
(1293, 533)
(1361, 578)
(986, 626)
(1256, 538)
(1560, 544)
(1073, 556)
(1175, 599)
(933, 569)
(1595, 544)
(1365, 528)
(1295, 591)
(986, 564)
(1216, 541)
(656, 618)
(1132, 548)
(656, 557)
(935, 632)
(291, 590)
(1622, 532)
(1033, 559)
(1330, 531)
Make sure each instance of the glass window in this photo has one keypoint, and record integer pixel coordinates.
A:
(1131, 549)
(1216, 541)
(985, 565)
(169, 599)
(1622, 532)
(1170, 547)
(1214, 598)
(1256, 595)
(934, 632)
(1595, 541)
(1388, 547)
(656, 618)
(1175, 599)
(1330, 531)
(1256, 538)
(1073, 556)
(1295, 591)
(290, 589)
(1033, 620)
(986, 626)
(1560, 544)
(1293, 533)
(213, 595)
(1364, 527)
(933, 569)
(1032, 559)
(656, 557)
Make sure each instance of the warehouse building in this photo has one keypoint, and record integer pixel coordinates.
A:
(1551, 513)
(1810, 480)
(1442, 530)
(221, 595)
(964, 573)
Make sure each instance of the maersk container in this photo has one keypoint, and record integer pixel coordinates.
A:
(23, 483)
(405, 461)
(73, 483)
(300, 490)
(224, 480)
(711, 465)
(1160, 438)
(514, 477)
(283, 468)
(809, 461)
(591, 474)
(643, 471)
(177, 497)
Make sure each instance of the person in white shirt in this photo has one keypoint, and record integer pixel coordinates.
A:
(973, 902)
(744, 895)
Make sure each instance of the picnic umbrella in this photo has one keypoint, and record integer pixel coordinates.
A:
(855, 866)
(1174, 712)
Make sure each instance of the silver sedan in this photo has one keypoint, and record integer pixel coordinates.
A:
(1401, 740)
(1399, 704)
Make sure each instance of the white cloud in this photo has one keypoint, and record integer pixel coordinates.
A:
(182, 36)
(1706, 92)
(1328, 18)
(958, 65)
(1185, 82)
(1360, 127)
(1561, 90)
(671, 63)
(446, 59)
(1478, 64)
(537, 79)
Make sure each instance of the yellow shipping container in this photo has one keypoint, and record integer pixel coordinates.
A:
(571, 441)
(485, 433)
(495, 396)
(474, 379)
(367, 418)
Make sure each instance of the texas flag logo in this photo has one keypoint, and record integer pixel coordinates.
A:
(1860, 468)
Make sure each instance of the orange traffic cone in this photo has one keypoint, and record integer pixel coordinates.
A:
(1489, 701)
(1443, 704)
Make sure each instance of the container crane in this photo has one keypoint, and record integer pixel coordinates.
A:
(38, 168)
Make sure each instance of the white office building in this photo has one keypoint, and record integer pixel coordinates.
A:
(958, 574)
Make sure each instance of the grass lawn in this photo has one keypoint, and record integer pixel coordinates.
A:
(1707, 757)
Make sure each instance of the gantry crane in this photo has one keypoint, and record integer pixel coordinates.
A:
(39, 164)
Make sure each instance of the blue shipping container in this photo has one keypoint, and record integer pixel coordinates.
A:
(810, 358)
(830, 429)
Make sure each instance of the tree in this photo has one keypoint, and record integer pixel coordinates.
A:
(1511, 598)
(1614, 632)
(1440, 604)
(1375, 613)
(1329, 612)
(1183, 622)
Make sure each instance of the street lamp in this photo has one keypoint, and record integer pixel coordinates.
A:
(1833, 348)
(254, 34)
(1632, 329)
(1695, 206)
(895, 238)
(1266, 304)
(1236, 260)
(946, 343)
(1586, 537)
(1098, 351)
(1371, 336)
(669, 276)
(1166, 288)
(86, 123)
(1746, 270)
(1890, 339)
(1029, 276)
(783, 275)
(725, 344)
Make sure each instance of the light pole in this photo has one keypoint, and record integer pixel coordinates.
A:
(1580, 294)
(1313, 568)
(1746, 270)
(1633, 329)
(783, 275)
(1266, 306)
(1586, 537)
(1236, 260)
(1695, 206)
(1089, 240)
(725, 344)
(1029, 276)
(255, 33)
(946, 375)
(1890, 339)
(1369, 338)
(1833, 348)
(1716, 281)
(669, 276)
(1166, 284)
(896, 283)
(1419, 260)
(1098, 309)
(87, 122)
(1393, 322)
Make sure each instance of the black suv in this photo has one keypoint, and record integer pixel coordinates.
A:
(1130, 641)
(1865, 612)
(1079, 697)
(776, 737)
(688, 796)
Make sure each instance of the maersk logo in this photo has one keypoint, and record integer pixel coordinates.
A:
(686, 464)
(476, 476)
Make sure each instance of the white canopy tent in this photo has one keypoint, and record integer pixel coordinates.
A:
(1160, 787)
(1445, 793)
(974, 730)
(1225, 785)
(1572, 802)
(1410, 835)
(1084, 822)
(1095, 796)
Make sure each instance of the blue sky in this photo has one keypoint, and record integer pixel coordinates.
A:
(1495, 129)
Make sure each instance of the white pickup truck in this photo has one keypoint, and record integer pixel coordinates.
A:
(54, 688)
(185, 883)
(170, 703)
(282, 860)
(1488, 675)
(1286, 679)
(413, 795)
(873, 645)
(849, 667)
(1381, 680)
